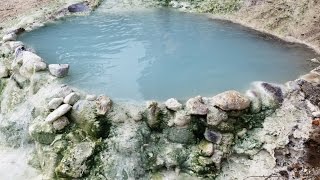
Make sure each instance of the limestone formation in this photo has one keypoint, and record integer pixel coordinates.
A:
(14, 44)
(231, 101)
(59, 70)
(255, 99)
(71, 98)
(60, 123)
(173, 104)
(55, 103)
(104, 104)
(42, 132)
(195, 106)
(271, 95)
(60, 111)
(74, 164)
(4, 72)
(9, 37)
(30, 63)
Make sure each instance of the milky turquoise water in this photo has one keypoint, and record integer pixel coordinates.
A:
(162, 53)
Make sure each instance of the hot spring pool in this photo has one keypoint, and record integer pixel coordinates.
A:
(162, 53)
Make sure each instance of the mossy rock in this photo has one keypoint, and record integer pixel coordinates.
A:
(74, 163)
(42, 131)
(181, 135)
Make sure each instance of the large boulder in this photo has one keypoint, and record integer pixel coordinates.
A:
(59, 70)
(196, 106)
(231, 101)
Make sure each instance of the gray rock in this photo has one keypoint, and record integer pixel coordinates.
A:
(104, 104)
(182, 135)
(60, 123)
(60, 111)
(9, 37)
(196, 106)
(215, 116)
(59, 70)
(212, 136)
(4, 72)
(71, 99)
(91, 97)
(231, 100)
(182, 118)
(55, 103)
(173, 104)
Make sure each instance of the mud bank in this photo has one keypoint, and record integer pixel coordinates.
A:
(270, 131)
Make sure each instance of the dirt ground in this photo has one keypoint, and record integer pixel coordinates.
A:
(287, 18)
(11, 9)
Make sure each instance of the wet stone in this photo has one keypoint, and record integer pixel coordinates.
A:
(78, 7)
(212, 136)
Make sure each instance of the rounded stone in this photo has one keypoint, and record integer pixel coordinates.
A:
(72, 98)
(60, 111)
(215, 116)
(206, 148)
(91, 97)
(231, 100)
(60, 123)
(195, 106)
(55, 103)
(182, 118)
(212, 136)
(173, 104)
(104, 104)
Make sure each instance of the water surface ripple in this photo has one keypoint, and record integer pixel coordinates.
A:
(162, 53)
